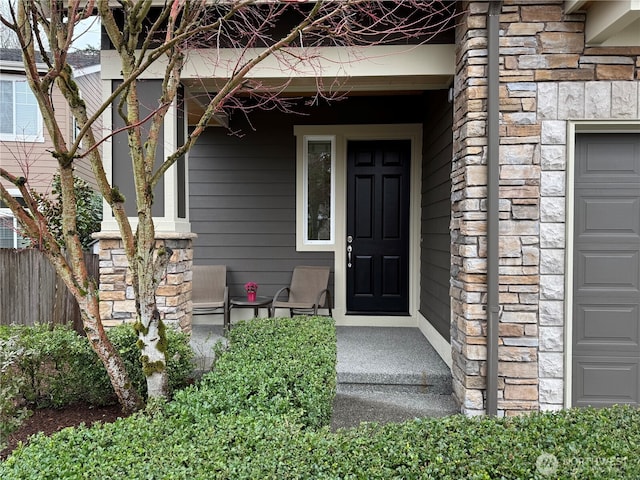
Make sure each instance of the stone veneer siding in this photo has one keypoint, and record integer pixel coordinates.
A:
(547, 77)
(117, 301)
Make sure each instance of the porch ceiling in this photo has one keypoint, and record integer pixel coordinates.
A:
(394, 70)
(199, 92)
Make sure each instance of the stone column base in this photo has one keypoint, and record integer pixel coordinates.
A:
(117, 300)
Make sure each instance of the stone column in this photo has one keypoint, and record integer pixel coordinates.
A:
(519, 225)
(468, 215)
(548, 77)
(117, 301)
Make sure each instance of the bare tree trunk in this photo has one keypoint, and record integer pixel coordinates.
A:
(127, 396)
(151, 330)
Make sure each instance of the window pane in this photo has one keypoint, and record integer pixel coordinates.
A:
(23, 242)
(319, 190)
(7, 232)
(26, 110)
(6, 106)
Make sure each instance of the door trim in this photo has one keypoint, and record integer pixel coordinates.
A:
(575, 127)
(343, 134)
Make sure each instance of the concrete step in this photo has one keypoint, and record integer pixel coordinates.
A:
(437, 382)
(359, 403)
(388, 374)
(440, 385)
(390, 356)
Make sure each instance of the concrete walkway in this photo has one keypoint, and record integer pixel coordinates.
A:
(384, 374)
(389, 374)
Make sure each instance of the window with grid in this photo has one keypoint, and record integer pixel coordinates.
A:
(10, 229)
(20, 118)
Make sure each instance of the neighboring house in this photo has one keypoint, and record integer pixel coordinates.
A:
(25, 144)
(488, 187)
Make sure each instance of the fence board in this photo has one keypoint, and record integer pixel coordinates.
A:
(31, 292)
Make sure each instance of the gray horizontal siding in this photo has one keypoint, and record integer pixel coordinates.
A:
(436, 214)
(242, 196)
(242, 190)
(148, 93)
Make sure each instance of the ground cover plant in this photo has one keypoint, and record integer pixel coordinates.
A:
(11, 413)
(263, 413)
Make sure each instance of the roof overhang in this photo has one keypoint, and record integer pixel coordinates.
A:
(391, 68)
(373, 70)
(614, 23)
(84, 71)
(11, 66)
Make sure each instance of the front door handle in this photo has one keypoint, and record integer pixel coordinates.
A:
(349, 250)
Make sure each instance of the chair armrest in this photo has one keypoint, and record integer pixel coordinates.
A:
(227, 313)
(272, 309)
(323, 304)
(323, 297)
(279, 292)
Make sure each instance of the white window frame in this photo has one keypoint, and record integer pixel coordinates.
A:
(5, 218)
(16, 136)
(304, 243)
(6, 213)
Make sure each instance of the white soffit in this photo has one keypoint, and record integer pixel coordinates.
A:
(392, 67)
(10, 66)
(610, 23)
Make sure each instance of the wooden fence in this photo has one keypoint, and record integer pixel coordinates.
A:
(31, 292)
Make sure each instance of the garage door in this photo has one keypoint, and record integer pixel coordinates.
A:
(606, 286)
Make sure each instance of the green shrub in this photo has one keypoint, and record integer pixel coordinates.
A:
(276, 379)
(589, 444)
(266, 432)
(273, 366)
(57, 370)
(11, 413)
(63, 369)
(88, 210)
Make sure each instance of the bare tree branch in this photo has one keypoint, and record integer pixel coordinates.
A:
(146, 34)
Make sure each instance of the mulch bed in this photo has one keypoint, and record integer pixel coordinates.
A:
(50, 420)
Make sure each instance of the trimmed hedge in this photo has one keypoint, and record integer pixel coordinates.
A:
(268, 433)
(275, 366)
(585, 444)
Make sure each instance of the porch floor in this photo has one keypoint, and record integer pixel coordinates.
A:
(389, 374)
(385, 374)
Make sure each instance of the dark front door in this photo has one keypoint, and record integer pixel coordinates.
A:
(606, 291)
(378, 227)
